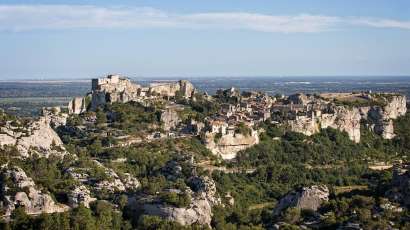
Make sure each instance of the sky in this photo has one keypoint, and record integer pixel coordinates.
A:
(84, 39)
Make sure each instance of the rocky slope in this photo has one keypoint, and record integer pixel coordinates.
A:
(198, 211)
(111, 183)
(19, 190)
(36, 137)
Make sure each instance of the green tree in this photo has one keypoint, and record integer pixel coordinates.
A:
(82, 219)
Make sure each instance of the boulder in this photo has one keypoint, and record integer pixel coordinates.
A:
(304, 198)
(198, 212)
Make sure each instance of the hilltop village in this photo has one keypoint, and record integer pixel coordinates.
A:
(168, 156)
(234, 124)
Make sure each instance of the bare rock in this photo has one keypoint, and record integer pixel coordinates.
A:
(170, 119)
(36, 137)
(346, 118)
(55, 117)
(80, 195)
(77, 105)
(130, 182)
(18, 176)
(230, 144)
(33, 200)
(305, 198)
(199, 211)
(113, 183)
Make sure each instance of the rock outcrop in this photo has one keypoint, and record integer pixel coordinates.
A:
(35, 137)
(199, 210)
(80, 195)
(230, 144)
(170, 119)
(113, 182)
(55, 117)
(304, 198)
(382, 117)
(78, 105)
(348, 118)
(19, 190)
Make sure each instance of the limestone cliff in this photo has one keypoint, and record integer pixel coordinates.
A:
(348, 119)
(170, 119)
(230, 144)
(34, 137)
(382, 117)
(77, 105)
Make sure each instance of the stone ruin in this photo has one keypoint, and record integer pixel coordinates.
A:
(115, 88)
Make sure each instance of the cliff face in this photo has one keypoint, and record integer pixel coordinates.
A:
(77, 105)
(341, 118)
(382, 118)
(34, 137)
(344, 119)
(20, 190)
(230, 144)
(348, 119)
(170, 119)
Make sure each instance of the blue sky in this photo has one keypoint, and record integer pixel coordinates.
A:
(79, 39)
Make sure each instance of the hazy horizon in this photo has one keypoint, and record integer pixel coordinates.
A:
(334, 77)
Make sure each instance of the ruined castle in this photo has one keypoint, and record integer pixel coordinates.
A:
(115, 88)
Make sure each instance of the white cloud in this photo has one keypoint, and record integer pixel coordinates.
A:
(32, 17)
(381, 23)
